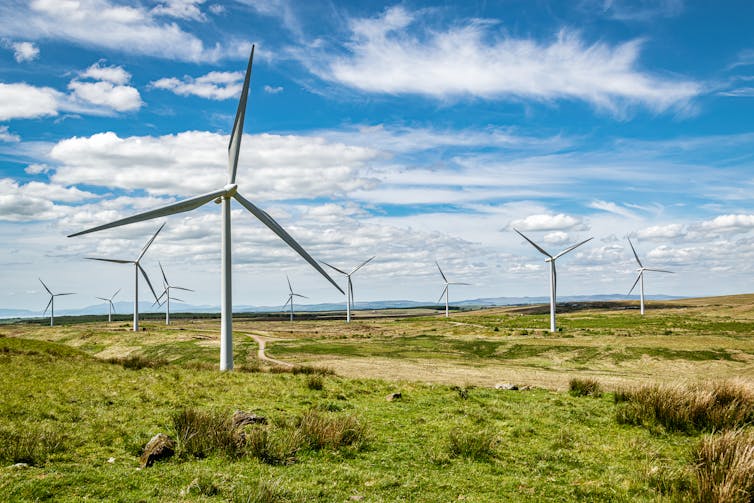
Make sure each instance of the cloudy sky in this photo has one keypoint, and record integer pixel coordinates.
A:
(413, 131)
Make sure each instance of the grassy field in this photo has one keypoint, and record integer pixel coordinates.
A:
(79, 402)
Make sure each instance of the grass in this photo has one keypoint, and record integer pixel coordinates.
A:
(585, 387)
(724, 467)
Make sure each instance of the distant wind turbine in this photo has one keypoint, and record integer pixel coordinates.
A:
(137, 269)
(640, 277)
(445, 291)
(110, 305)
(553, 274)
(51, 304)
(166, 293)
(349, 285)
(291, 294)
(223, 196)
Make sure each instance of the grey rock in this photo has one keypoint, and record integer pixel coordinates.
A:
(241, 418)
(160, 447)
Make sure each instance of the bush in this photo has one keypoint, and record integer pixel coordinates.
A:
(320, 431)
(724, 467)
(315, 382)
(709, 407)
(479, 445)
(584, 387)
(200, 434)
(28, 443)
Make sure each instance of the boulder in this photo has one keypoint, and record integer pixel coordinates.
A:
(393, 396)
(160, 447)
(241, 418)
(506, 386)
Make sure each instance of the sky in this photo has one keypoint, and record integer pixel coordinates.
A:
(411, 131)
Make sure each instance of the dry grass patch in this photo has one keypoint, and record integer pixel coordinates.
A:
(724, 467)
(585, 387)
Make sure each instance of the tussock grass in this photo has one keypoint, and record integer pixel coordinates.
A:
(29, 443)
(201, 433)
(137, 362)
(724, 467)
(264, 491)
(272, 446)
(708, 407)
(315, 382)
(312, 370)
(585, 387)
(480, 445)
(320, 431)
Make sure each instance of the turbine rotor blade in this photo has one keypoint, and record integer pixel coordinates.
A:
(277, 229)
(149, 243)
(116, 261)
(659, 270)
(570, 249)
(68, 293)
(45, 286)
(467, 284)
(116, 293)
(535, 245)
(176, 298)
(350, 289)
(443, 292)
(441, 273)
(102, 298)
(170, 209)
(181, 288)
(299, 295)
(635, 283)
(363, 264)
(144, 273)
(335, 268)
(234, 146)
(164, 278)
(113, 306)
(286, 302)
(48, 306)
(290, 288)
(636, 256)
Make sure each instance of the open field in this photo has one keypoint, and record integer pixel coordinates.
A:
(91, 395)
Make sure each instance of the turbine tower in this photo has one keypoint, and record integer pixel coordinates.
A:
(110, 305)
(166, 293)
(445, 290)
(349, 285)
(223, 196)
(640, 277)
(553, 273)
(291, 295)
(51, 304)
(137, 269)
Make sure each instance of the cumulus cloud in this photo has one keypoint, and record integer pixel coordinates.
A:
(109, 91)
(548, 222)
(7, 136)
(22, 101)
(396, 54)
(181, 9)
(113, 74)
(555, 238)
(25, 51)
(273, 90)
(35, 200)
(668, 231)
(729, 223)
(214, 85)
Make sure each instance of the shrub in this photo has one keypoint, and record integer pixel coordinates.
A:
(320, 430)
(584, 387)
(709, 407)
(479, 445)
(724, 467)
(315, 382)
(200, 434)
(30, 444)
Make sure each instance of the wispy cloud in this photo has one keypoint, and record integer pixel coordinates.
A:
(214, 85)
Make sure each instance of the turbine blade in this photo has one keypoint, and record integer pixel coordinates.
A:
(116, 293)
(363, 264)
(234, 146)
(634, 285)
(181, 288)
(164, 278)
(299, 295)
(68, 293)
(144, 273)
(286, 302)
(170, 209)
(149, 243)
(277, 229)
(467, 284)
(441, 273)
(102, 298)
(571, 248)
(111, 260)
(113, 306)
(535, 245)
(443, 292)
(48, 306)
(333, 267)
(176, 298)
(350, 289)
(45, 286)
(290, 288)
(554, 278)
(636, 256)
(658, 270)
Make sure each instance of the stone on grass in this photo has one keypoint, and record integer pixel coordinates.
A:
(393, 396)
(241, 418)
(506, 386)
(160, 447)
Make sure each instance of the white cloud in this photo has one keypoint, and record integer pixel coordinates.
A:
(214, 85)
(668, 231)
(25, 51)
(35, 200)
(7, 136)
(729, 223)
(113, 74)
(611, 207)
(105, 94)
(273, 90)
(548, 222)
(37, 169)
(103, 23)
(22, 101)
(182, 9)
(387, 56)
(555, 238)
(216, 9)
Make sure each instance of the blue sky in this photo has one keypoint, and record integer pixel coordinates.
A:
(414, 131)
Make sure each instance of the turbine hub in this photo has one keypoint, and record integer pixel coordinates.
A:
(230, 189)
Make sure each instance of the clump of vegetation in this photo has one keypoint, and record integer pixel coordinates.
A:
(200, 434)
(315, 382)
(30, 444)
(320, 431)
(477, 445)
(264, 491)
(137, 362)
(584, 387)
(710, 407)
(463, 391)
(271, 446)
(311, 370)
(724, 467)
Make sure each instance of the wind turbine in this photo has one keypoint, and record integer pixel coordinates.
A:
(349, 285)
(640, 277)
(110, 305)
(291, 295)
(137, 269)
(445, 290)
(51, 304)
(553, 274)
(166, 292)
(223, 196)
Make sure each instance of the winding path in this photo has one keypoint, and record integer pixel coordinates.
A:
(262, 355)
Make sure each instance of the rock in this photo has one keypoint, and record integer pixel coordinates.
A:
(393, 396)
(356, 497)
(160, 447)
(21, 465)
(241, 418)
(506, 386)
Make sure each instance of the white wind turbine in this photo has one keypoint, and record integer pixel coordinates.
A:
(223, 196)
(291, 294)
(137, 269)
(349, 285)
(640, 277)
(166, 293)
(446, 289)
(553, 274)
(110, 305)
(51, 304)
